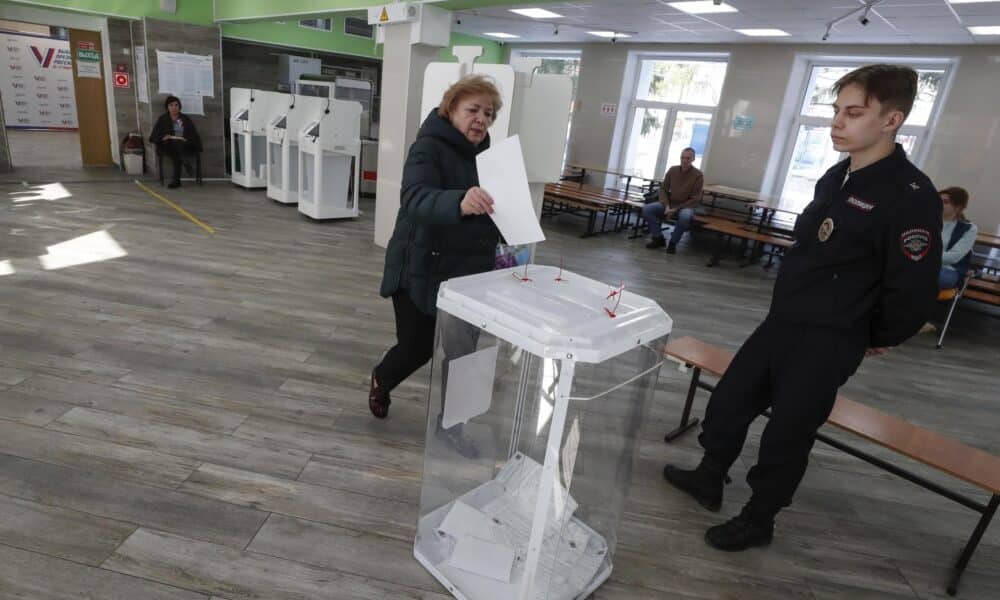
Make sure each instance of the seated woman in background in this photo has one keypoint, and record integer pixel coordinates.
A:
(174, 134)
(957, 236)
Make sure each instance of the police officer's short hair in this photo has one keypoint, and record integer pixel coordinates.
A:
(689, 149)
(894, 86)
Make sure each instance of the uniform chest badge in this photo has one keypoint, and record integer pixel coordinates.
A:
(916, 243)
(825, 229)
(858, 203)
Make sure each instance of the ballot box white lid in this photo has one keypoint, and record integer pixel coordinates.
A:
(555, 313)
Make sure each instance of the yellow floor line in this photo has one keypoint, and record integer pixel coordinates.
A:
(189, 216)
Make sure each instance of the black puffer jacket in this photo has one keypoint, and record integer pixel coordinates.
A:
(432, 241)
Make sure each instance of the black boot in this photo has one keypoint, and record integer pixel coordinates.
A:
(657, 242)
(704, 484)
(745, 530)
(672, 248)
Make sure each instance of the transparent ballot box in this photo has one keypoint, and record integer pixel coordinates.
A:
(540, 383)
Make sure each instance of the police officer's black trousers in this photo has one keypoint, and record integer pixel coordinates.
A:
(794, 371)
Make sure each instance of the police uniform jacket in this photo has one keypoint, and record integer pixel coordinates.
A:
(867, 253)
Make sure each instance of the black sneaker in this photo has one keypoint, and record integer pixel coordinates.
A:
(740, 533)
(672, 248)
(657, 242)
(454, 438)
(701, 485)
(174, 184)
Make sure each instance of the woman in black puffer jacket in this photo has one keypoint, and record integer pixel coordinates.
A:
(443, 229)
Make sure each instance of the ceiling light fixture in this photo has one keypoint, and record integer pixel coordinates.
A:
(763, 32)
(985, 30)
(609, 34)
(703, 7)
(536, 13)
(971, 1)
(501, 35)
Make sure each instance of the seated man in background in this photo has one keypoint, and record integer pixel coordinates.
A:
(174, 135)
(680, 194)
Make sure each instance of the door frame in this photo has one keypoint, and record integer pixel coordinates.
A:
(71, 20)
(667, 134)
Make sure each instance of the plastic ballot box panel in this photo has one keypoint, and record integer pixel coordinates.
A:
(539, 384)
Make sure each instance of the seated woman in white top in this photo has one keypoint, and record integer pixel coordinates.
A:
(958, 236)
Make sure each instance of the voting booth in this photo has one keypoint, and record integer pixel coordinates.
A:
(536, 108)
(283, 146)
(329, 154)
(251, 111)
(540, 384)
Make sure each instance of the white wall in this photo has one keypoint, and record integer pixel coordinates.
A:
(964, 151)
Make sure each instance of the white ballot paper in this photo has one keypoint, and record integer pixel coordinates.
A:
(503, 176)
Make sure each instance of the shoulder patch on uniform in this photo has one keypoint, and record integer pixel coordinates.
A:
(914, 185)
(916, 243)
(860, 204)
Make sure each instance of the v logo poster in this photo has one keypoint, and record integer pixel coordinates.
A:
(36, 82)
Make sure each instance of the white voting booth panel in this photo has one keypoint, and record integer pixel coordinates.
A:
(539, 386)
(329, 152)
(251, 111)
(283, 147)
(438, 77)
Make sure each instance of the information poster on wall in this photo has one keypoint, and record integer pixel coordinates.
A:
(141, 79)
(192, 105)
(88, 63)
(36, 83)
(185, 74)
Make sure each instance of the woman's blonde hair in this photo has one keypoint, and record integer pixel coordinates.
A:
(470, 85)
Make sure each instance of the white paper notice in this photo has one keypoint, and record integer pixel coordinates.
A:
(470, 386)
(141, 81)
(185, 74)
(192, 105)
(503, 176)
(483, 558)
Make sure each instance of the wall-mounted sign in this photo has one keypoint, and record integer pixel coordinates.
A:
(742, 123)
(391, 13)
(88, 62)
(86, 45)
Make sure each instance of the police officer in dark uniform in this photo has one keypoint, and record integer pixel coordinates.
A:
(860, 278)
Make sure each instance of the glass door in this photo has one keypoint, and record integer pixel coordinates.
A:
(658, 135)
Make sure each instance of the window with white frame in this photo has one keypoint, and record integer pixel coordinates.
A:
(557, 62)
(672, 108)
(320, 24)
(809, 151)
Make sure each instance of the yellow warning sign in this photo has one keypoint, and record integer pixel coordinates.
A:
(384, 16)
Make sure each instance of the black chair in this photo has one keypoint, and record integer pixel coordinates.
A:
(197, 164)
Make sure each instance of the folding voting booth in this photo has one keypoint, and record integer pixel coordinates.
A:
(329, 151)
(283, 146)
(251, 111)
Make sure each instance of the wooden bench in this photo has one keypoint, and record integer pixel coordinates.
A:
(756, 236)
(576, 198)
(949, 456)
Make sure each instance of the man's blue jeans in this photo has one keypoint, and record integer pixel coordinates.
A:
(654, 212)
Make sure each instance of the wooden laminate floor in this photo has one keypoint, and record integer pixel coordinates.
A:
(183, 416)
